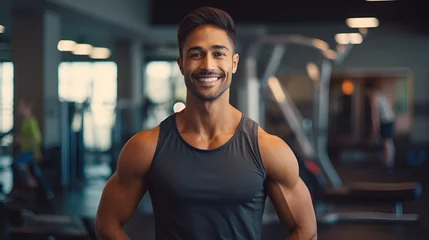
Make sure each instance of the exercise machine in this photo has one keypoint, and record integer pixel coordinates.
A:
(72, 143)
(313, 154)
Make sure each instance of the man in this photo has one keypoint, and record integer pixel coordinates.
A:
(207, 168)
(382, 122)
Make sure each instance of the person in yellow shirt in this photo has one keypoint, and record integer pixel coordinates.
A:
(29, 141)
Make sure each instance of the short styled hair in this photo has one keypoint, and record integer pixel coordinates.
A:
(205, 16)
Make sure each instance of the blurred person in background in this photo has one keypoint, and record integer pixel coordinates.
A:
(28, 141)
(28, 153)
(382, 122)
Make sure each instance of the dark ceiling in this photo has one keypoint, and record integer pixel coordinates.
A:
(410, 13)
(287, 11)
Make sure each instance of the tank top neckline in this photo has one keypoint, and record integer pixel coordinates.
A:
(176, 129)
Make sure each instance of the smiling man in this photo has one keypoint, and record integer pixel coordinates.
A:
(208, 168)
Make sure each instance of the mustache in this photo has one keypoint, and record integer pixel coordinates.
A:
(205, 73)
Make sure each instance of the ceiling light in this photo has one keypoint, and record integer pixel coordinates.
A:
(365, 22)
(348, 38)
(82, 49)
(66, 45)
(100, 53)
(347, 87)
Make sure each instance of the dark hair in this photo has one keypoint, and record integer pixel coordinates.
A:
(205, 16)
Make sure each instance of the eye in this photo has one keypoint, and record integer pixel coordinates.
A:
(194, 55)
(219, 54)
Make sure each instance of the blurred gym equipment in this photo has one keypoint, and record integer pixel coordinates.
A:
(72, 146)
(25, 224)
(326, 184)
(18, 222)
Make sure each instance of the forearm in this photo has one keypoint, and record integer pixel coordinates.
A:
(302, 234)
(112, 231)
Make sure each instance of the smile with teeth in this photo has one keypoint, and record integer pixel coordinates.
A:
(208, 79)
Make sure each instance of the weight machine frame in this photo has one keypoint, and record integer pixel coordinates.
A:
(255, 106)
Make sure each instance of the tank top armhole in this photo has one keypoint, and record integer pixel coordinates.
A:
(260, 163)
(163, 129)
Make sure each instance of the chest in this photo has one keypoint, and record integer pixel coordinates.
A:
(215, 176)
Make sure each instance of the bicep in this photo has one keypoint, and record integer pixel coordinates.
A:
(128, 184)
(287, 191)
(120, 197)
(293, 204)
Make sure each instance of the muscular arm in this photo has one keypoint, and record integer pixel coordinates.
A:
(126, 187)
(288, 193)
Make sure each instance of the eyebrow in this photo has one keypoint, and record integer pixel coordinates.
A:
(198, 48)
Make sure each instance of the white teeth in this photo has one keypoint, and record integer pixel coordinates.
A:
(212, 79)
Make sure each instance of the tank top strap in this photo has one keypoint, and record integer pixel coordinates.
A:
(166, 128)
(250, 129)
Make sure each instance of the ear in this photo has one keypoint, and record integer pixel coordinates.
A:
(179, 62)
(235, 59)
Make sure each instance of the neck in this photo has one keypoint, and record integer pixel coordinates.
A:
(209, 118)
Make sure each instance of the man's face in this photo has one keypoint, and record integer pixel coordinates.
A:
(208, 62)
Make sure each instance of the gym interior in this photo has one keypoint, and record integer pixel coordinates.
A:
(97, 72)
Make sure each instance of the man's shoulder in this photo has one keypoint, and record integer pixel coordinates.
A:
(270, 144)
(266, 138)
(277, 156)
(145, 139)
(137, 153)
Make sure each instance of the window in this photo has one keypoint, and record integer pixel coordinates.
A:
(158, 85)
(6, 96)
(164, 87)
(95, 82)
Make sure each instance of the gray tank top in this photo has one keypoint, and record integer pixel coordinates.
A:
(214, 194)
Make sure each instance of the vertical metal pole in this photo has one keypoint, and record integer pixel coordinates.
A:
(65, 144)
(356, 118)
(252, 89)
(322, 122)
(1, 97)
(399, 210)
(272, 67)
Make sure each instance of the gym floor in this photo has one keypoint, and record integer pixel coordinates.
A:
(84, 202)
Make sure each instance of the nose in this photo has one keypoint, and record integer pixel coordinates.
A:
(208, 62)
